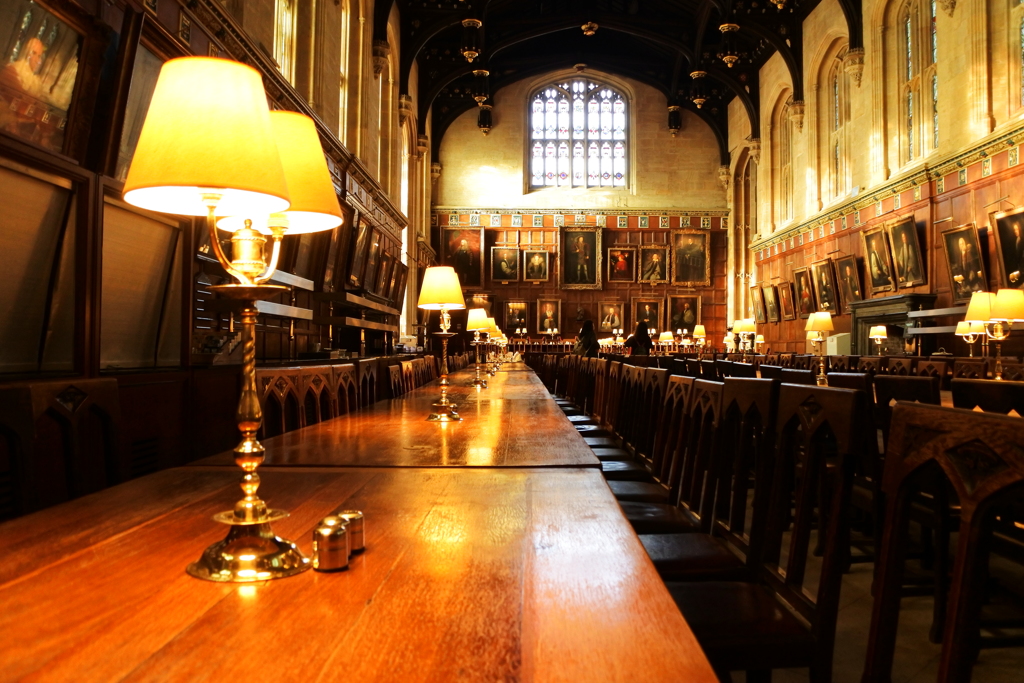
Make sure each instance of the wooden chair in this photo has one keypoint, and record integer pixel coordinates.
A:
(723, 369)
(396, 381)
(934, 368)
(62, 439)
(687, 473)
(408, 375)
(873, 365)
(971, 368)
(1013, 372)
(844, 363)
(889, 389)
(347, 393)
(693, 367)
(671, 425)
(779, 622)
(980, 455)
(805, 376)
(708, 369)
(851, 380)
(743, 449)
(771, 371)
(748, 370)
(989, 395)
(366, 373)
(901, 367)
(316, 387)
(279, 396)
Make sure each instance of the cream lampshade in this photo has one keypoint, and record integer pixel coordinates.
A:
(979, 310)
(698, 331)
(314, 204)
(878, 332)
(963, 328)
(441, 290)
(759, 339)
(476, 320)
(666, 337)
(1008, 306)
(207, 132)
(820, 321)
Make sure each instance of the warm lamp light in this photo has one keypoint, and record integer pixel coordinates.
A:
(878, 332)
(1004, 308)
(223, 159)
(970, 333)
(759, 339)
(442, 291)
(222, 152)
(666, 337)
(314, 204)
(979, 310)
(476, 322)
(1008, 306)
(698, 331)
(818, 324)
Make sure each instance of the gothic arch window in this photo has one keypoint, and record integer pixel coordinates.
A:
(579, 135)
(782, 185)
(836, 117)
(284, 37)
(918, 52)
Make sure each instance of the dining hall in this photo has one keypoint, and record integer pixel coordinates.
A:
(512, 340)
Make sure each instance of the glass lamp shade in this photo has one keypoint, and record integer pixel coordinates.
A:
(666, 337)
(441, 289)
(979, 310)
(820, 321)
(476, 319)
(878, 331)
(698, 331)
(314, 204)
(207, 131)
(1008, 306)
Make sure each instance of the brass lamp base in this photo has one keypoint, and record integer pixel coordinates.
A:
(479, 381)
(444, 412)
(250, 552)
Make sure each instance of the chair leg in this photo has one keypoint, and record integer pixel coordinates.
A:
(940, 567)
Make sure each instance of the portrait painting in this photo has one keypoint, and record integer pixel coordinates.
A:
(771, 303)
(825, 289)
(387, 264)
(516, 316)
(610, 316)
(654, 264)
(580, 254)
(804, 291)
(849, 281)
(878, 262)
(549, 315)
(906, 253)
(621, 263)
(786, 306)
(683, 312)
(535, 265)
(359, 252)
(691, 265)
(145, 72)
(462, 249)
(1008, 228)
(648, 310)
(963, 260)
(401, 279)
(373, 261)
(37, 80)
(505, 264)
(757, 303)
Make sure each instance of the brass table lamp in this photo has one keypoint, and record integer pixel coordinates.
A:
(235, 158)
(817, 325)
(476, 322)
(997, 313)
(442, 291)
(699, 339)
(878, 334)
(969, 332)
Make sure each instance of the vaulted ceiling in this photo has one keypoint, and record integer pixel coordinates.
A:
(657, 42)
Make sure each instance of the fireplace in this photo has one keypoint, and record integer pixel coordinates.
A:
(890, 311)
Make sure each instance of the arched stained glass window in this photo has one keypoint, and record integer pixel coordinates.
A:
(579, 135)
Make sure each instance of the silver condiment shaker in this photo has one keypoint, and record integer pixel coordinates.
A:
(331, 545)
(354, 518)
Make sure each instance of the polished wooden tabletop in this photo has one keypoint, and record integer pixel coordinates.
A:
(512, 423)
(476, 574)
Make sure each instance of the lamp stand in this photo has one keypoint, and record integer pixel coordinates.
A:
(478, 381)
(444, 410)
(821, 379)
(250, 551)
(1000, 333)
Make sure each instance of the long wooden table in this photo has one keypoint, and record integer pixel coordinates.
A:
(512, 423)
(470, 573)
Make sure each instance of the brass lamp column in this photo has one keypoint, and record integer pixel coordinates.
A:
(235, 159)
(699, 338)
(476, 322)
(969, 332)
(442, 292)
(817, 325)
